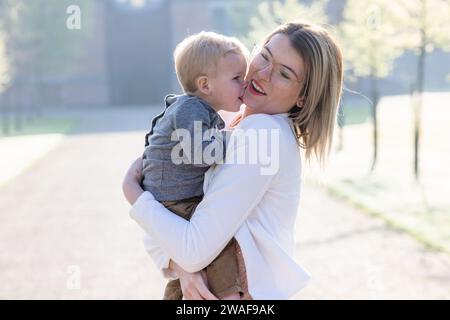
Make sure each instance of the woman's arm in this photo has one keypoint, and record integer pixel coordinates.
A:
(131, 185)
(193, 285)
(132, 190)
(235, 190)
(159, 257)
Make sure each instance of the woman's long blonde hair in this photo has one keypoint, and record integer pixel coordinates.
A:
(321, 88)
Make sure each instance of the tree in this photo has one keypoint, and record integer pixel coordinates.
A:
(4, 63)
(39, 43)
(270, 14)
(4, 71)
(39, 27)
(368, 35)
(424, 26)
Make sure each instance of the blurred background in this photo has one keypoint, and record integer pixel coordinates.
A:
(80, 81)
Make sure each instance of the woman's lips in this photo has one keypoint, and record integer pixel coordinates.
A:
(256, 89)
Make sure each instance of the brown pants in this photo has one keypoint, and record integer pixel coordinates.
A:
(224, 274)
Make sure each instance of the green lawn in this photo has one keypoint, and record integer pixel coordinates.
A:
(21, 148)
(420, 208)
(355, 111)
(42, 126)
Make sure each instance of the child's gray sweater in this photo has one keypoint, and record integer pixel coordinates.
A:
(168, 144)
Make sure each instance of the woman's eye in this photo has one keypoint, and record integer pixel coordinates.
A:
(265, 57)
(237, 78)
(284, 75)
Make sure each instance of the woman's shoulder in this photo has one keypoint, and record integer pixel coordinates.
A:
(279, 123)
(275, 130)
(261, 121)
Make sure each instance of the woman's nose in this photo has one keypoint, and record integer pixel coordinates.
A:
(265, 72)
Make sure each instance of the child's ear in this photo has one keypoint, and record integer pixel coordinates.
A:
(203, 85)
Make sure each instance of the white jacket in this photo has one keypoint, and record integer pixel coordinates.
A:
(256, 206)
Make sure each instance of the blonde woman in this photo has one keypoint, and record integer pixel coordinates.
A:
(294, 87)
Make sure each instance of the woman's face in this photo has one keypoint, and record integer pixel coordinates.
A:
(274, 77)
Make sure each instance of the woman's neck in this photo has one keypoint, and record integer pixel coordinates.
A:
(248, 111)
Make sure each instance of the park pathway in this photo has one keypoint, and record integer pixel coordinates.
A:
(65, 232)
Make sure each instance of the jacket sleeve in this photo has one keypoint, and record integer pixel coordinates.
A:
(159, 257)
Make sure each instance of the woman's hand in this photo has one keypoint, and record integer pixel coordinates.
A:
(131, 185)
(193, 285)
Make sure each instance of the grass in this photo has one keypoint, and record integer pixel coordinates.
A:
(354, 110)
(430, 228)
(355, 113)
(42, 126)
(421, 209)
(20, 149)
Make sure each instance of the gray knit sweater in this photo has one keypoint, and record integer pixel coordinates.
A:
(184, 141)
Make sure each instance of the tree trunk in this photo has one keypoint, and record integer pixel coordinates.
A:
(16, 108)
(375, 96)
(418, 108)
(341, 125)
(6, 125)
(39, 87)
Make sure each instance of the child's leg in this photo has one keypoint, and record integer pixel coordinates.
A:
(183, 208)
(242, 273)
(223, 274)
(173, 290)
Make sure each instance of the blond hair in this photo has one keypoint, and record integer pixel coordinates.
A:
(321, 88)
(199, 54)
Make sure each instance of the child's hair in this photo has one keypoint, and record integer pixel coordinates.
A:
(199, 54)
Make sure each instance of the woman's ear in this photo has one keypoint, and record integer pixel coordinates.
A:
(203, 85)
(300, 102)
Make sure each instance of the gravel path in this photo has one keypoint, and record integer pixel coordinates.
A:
(65, 232)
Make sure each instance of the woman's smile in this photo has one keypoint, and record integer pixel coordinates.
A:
(256, 88)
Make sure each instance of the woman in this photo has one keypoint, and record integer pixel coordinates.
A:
(294, 87)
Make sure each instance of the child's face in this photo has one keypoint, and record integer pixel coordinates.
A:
(228, 85)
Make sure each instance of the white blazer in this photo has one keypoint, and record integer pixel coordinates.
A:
(256, 202)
